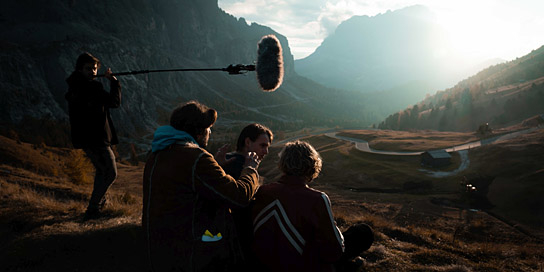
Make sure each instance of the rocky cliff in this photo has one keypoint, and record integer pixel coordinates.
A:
(40, 42)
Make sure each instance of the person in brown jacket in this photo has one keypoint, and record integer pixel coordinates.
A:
(186, 217)
(293, 224)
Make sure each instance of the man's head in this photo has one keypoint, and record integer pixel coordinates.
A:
(255, 138)
(195, 119)
(300, 159)
(88, 65)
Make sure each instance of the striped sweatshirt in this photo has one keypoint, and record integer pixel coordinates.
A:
(293, 227)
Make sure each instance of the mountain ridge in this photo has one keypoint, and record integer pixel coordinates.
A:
(41, 41)
(385, 51)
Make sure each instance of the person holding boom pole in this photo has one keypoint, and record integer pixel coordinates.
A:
(91, 125)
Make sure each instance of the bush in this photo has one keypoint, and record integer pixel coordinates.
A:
(78, 167)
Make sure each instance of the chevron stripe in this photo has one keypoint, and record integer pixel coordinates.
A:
(271, 211)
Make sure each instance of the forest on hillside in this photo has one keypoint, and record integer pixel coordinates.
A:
(498, 95)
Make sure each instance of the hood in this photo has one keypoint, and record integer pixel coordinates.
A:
(167, 135)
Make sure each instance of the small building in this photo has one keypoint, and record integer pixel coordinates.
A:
(435, 158)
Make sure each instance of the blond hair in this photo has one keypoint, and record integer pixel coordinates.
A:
(299, 158)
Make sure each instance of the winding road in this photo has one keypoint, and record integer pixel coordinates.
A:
(362, 145)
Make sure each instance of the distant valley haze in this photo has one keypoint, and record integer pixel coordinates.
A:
(370, 46)
(485, 29)
(389, 50)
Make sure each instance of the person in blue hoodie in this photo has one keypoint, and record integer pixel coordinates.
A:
(188, 197)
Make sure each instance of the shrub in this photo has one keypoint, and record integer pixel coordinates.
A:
(78, 168)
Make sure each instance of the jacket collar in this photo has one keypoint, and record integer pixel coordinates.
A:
(293, 180)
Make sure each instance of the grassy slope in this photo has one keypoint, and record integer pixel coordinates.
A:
(417, 219)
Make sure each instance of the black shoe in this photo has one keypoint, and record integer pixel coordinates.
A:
(91, 213)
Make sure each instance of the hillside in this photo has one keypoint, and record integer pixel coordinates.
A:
(421, 223)
(386, 51)
(500, 95)
(40, 42)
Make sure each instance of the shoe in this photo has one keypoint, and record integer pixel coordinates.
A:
(91, 213)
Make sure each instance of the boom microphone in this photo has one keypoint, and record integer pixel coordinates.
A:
(269, 67)
(269, 63)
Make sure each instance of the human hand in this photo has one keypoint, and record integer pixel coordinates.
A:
(221, 155)
(252, 160)
(109, 75)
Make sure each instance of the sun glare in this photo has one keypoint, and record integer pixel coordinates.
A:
(477, 30)
(483, 29)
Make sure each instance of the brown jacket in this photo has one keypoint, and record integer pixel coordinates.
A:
(294, 229)
(186, 192)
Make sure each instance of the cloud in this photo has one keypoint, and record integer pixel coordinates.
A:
(307, 22)
(299, 20)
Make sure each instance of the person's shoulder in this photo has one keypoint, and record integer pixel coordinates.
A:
(268, 188)
(316, 193)
(191, 148)
(235, 155)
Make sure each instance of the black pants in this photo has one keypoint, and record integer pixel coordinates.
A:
(357, 239)
(103, 160)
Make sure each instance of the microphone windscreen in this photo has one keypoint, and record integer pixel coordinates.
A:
(269, 66)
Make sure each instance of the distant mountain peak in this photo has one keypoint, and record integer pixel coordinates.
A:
(384, 51)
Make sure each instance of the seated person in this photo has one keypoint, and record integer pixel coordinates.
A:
(293, 224)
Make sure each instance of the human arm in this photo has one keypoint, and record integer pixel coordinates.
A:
(211, 182)
(329, 239)
(109, 75)
(221, 156)
(113, 99)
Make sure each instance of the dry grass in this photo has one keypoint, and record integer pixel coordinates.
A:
(43, 229)
(417, 220)
(415, 248)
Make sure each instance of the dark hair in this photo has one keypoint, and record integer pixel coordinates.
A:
(253, 131)
(193, 118)
(300, 159)
(86, 58)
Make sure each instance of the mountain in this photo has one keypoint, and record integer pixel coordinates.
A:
(500, 95)
(40, 42)
(386, 51)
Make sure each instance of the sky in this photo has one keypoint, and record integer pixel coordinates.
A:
(487, 29)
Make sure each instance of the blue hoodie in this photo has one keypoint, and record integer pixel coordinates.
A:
(167, 135)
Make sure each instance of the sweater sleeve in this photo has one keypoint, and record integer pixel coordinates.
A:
(213, 183)
(329, 239)
(113, 98)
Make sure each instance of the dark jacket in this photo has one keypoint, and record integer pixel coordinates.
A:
(88, 108)
(234, 168)
(294, 229)
(186, 192)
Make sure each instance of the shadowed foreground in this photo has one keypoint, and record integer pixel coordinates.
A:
(421, 223)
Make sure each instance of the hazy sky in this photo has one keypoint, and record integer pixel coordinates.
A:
(481, 28)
